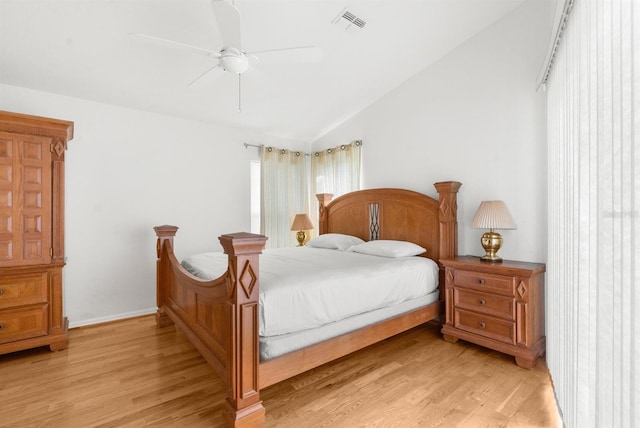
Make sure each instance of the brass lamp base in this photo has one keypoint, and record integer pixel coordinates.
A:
(301, 237)
(491, 242)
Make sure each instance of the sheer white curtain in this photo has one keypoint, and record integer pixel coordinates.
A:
(593, 323)
(284, 193)
(336, 171)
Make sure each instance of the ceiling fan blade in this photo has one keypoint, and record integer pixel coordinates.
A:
(180, 45)
(199, 79)
(228, 19)
(294, 54)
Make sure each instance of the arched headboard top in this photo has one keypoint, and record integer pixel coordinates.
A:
(396, 214)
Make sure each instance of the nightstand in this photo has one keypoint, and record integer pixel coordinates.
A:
(496, 305)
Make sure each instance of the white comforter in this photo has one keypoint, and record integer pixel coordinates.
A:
(304, 287)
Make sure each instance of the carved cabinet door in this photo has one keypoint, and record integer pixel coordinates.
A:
(25, 199)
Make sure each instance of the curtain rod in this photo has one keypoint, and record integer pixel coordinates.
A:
(563, 9)
(356, 142)
(247, 145)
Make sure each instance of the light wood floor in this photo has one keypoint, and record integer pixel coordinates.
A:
(131, 374)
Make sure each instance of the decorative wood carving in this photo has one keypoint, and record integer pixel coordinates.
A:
(448, 218)
(374, 221)
(323, 201)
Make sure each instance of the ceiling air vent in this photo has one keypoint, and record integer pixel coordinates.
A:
(350, 19)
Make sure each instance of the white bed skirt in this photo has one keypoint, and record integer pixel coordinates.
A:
(275, 346)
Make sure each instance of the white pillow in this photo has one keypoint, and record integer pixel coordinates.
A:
(334, 241)
(388, 248)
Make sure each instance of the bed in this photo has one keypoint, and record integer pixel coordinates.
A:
(222, 316)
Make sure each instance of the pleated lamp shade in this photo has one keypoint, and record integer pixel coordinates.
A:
(493, 215)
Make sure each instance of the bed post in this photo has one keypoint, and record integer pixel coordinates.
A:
(243, 407)
(164, 233)
(323, 200)
(448, 215)
(448, 218)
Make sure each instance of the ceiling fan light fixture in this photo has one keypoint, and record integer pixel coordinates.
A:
(234, 61)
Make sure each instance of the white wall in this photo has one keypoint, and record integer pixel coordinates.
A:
(127, 171)
(475, 117)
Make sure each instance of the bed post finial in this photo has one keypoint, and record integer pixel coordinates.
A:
(243, 407)
(323, 201)
(164, 233)
(448, 218)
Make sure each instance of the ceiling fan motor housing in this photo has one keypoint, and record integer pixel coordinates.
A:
(233, 60)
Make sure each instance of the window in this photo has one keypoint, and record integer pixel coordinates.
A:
(284, 183)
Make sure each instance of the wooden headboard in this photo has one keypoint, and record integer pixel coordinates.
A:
(396, 214)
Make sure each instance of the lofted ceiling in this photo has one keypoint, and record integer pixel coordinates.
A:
(86, 49)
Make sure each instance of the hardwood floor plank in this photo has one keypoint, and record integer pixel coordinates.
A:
(131, 374)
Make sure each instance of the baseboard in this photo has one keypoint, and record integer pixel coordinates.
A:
(109, 318)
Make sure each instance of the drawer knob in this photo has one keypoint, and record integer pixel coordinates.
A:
(480, 280)
(1, 291)
(2, 326)
(482, 325)
(482, 302)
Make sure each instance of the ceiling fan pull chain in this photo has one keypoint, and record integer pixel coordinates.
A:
(239, 93)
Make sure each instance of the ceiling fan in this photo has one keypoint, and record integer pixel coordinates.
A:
(231, 58)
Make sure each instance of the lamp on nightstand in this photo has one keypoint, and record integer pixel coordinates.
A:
(492, 215)
(301, 223)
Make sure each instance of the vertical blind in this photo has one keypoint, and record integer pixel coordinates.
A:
(593, 323)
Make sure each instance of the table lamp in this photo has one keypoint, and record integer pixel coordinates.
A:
(301, 223)
(492, 215)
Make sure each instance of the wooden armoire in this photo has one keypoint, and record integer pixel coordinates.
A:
(32, 231)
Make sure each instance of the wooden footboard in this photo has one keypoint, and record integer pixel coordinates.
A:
(220, 317)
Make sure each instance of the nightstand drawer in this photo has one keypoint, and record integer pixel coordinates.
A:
(492, 304)
(20, 290)
(23, 324)
(500, 284)
(501, 330)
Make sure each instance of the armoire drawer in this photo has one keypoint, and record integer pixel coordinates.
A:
(22, 290)
(18, 324)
